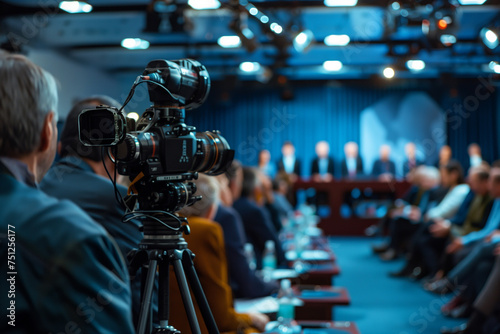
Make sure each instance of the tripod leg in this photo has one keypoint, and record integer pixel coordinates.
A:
(163, 302)
(201, 299)
(186, 296)
(145, 313)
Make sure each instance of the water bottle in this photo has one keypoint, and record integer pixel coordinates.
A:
(250, 255)
(269, 260)
(286, 309)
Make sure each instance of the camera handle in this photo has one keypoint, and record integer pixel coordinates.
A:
(182, 262)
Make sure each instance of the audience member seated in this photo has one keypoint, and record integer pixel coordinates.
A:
(445, 156)
(430, 241)
(384, 168)
(256, 221)
(322, 167)
(206, 241)
(411, 162)
(289, 162)
(281, 186)
(269, 202)
(81, 177)
(243, 280)
(485, 306)
(70, 274)
(352, 164)
(265, 164)
(405, 218)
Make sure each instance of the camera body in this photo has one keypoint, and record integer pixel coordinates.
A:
(160, 152)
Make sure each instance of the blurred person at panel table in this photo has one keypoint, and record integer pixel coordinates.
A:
(475, 157)
(289, 162)
(445, 156)
(322, 168)
(206, 241)
(265, 164)
(411, 161)
(244, 280)
(384, 167)
(70, 273)
(81, 167)
(352, 164)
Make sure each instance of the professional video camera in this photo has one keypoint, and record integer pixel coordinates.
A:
(161, 147)
(160, 154)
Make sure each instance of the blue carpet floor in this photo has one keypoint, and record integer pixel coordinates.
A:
(380, 304)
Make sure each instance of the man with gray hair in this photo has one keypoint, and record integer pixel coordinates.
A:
(64, 272)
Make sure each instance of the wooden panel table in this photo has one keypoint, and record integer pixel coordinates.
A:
(337, 190)
(319, 301)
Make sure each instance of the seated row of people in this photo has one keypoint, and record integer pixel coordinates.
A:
(323, 165)
(450, 236)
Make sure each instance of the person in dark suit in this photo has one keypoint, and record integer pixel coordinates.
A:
(384, 166)
(206, 241)
(411, 161)
(81, 178)
(70, 274)
(352, 164)
(289, 162)
(256, 220)
(322, 168)
(244, 281)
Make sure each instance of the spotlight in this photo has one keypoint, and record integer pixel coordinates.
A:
(135, 44)
(204, 4)
(303, 40)
(337, 40)
(249, 67)
(332, 65)
(489, 38)
(229, 41)
(494, 66)
(448, 39)
(74, 7)
(340, 3)
(471, 2)
(415, 65)
(133, 115)
(389, 72)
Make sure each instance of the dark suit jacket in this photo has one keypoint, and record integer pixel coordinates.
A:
(382, 167)
(406, 166)
(244, 281)
(296, 167)
(206, 241)
(462, 212)
(72, 178)
(258, 229)
(315, 166)
(62, 258)
(359, 167)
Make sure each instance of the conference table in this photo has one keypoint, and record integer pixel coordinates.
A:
(348, 207)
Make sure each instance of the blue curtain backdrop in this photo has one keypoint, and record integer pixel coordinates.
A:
(256, 117)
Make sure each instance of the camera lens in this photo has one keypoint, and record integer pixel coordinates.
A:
(214, 154)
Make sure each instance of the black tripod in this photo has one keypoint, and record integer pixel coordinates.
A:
(162, 247)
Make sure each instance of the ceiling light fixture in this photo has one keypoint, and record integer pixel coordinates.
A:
(204, 4)
(75, 7)
(332, 65)
(135, 44)
(337, 40)
(340, 3)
